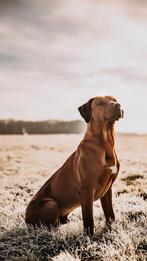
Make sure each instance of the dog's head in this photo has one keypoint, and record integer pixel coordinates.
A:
(101, 109)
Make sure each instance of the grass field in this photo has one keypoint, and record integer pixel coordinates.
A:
(27, 161)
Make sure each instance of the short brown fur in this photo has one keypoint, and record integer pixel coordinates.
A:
(86, 175)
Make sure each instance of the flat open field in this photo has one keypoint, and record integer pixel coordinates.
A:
(27, 161)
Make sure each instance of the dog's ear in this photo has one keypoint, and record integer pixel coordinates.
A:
(85, 110)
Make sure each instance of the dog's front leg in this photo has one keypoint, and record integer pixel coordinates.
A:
(87, 211)
(107, 207)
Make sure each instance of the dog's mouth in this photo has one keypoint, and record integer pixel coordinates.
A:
(114, 113)
(119, 114)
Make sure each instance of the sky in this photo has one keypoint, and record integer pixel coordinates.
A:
(55, 55)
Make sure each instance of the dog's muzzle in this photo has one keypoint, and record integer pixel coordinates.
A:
(119, 113)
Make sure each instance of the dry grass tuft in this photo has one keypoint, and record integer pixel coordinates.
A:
(131, 178)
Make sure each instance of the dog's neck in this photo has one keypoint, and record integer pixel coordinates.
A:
(102, 133)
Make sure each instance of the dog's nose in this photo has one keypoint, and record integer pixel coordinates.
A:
(117, 105)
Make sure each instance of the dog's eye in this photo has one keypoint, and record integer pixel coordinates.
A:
(102, 103)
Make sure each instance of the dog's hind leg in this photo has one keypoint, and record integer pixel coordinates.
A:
(44, 212)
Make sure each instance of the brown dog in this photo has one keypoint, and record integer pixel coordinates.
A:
(87, 175)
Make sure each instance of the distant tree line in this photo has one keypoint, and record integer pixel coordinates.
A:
(40, 127)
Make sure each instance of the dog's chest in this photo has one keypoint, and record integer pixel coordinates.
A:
(113, 169)
(105, 181)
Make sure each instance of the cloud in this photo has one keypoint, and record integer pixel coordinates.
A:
(60, 55)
